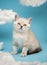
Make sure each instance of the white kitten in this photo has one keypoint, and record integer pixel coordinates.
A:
(23, 37)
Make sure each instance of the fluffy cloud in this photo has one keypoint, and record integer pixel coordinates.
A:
(33, 3)
(7, 59)
(6, 16)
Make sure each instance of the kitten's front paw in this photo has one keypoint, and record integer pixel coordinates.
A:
(23, 54)
(13, 53)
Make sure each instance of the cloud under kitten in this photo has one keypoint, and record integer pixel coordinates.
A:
(6, 16)
(7, 59)
(33, 3)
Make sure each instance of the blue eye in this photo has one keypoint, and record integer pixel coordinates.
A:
(18, 23)
(24, 24)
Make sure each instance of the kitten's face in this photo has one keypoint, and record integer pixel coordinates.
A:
(21, 25)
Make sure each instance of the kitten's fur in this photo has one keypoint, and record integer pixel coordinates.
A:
(23, 37)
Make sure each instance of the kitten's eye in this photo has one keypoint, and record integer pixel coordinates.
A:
(24, 24)
(18, 23)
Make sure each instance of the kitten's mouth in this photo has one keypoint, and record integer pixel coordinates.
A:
(20, 29)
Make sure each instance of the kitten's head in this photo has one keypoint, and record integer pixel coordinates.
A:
(22, 24)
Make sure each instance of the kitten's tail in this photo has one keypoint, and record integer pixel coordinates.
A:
(35, 51)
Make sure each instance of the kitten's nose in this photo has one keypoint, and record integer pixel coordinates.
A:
(21, 27)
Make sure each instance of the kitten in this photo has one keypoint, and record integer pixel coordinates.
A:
(23, 37)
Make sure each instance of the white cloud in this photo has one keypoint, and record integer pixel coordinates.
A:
(33, 3)
(6, 16)
(7, 59)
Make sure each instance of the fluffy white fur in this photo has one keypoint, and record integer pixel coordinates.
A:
(33, 3)
(23, 37)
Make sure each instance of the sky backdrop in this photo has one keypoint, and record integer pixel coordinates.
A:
(38, 25)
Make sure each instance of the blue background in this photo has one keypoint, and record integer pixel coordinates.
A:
(38, 26)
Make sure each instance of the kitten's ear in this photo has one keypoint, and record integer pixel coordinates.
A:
(16, 17)
(29, 20)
